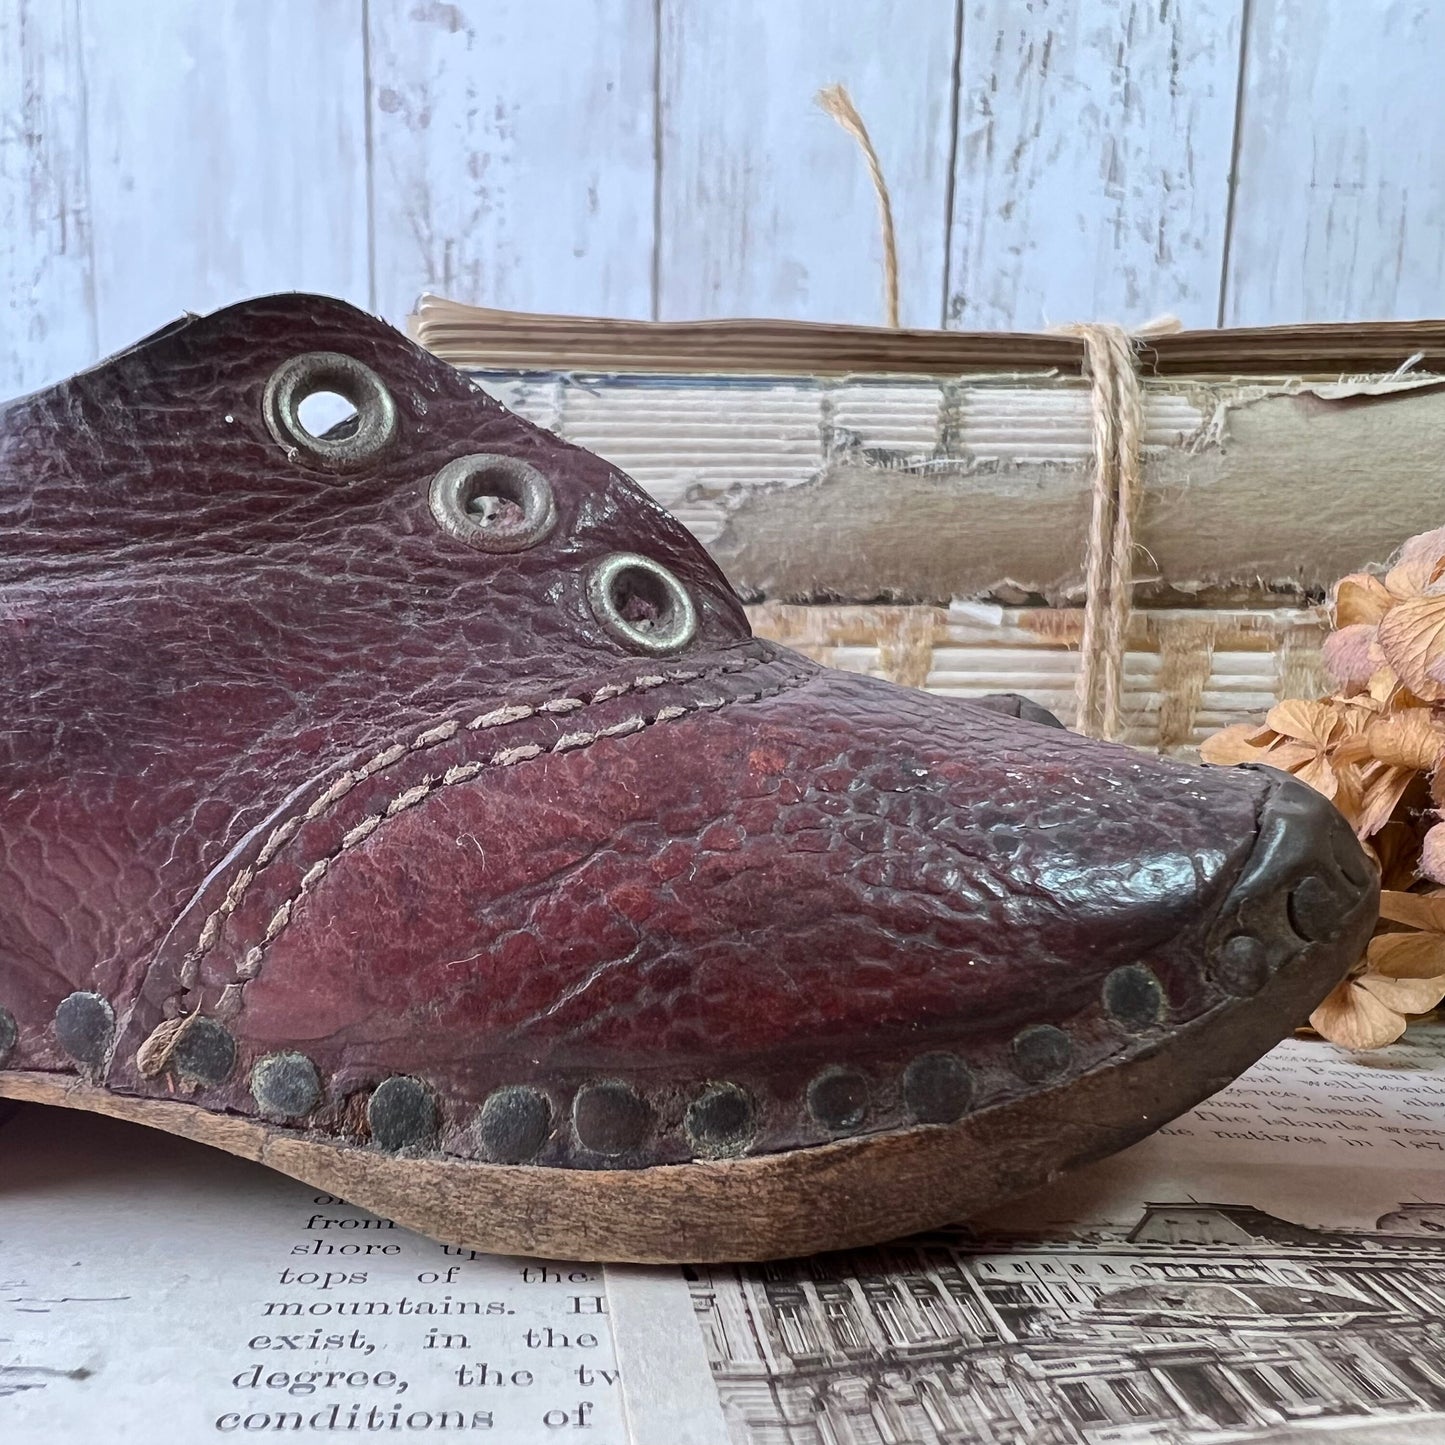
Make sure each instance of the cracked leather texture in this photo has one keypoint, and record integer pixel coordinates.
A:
(192, 623)
(280, 752)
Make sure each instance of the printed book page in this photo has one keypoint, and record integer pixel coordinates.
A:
(155, 1291)
(1271, 1267)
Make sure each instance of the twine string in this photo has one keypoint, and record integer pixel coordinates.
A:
(1117, 417)
(836, 101)
(1117, 424)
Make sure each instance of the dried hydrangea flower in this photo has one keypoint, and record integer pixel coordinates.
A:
(1402, 974)
(1376, 748)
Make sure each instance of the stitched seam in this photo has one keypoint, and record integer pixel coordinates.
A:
(431, 736)
(250, 965)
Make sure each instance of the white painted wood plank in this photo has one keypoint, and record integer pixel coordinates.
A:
(1340, 208)
(765, 204)
(513, 157)
(1093, 161)
(47, 322)
(227, 155)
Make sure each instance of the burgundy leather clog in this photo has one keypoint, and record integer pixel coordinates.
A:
(410, 808)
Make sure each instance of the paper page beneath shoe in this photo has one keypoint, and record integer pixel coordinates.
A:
(155, 1291)
(1270, 1267)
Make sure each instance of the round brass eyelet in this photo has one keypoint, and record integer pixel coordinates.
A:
(494, 503)
(303, 376)
(641, 604)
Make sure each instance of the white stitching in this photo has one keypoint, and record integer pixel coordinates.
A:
(627, 725)
(437, 733)
(574, 740)
(239, 884)
(315, 873)
(505, 757)
(508, 756)
(385, 758)
(338, 790)
(362, 831)
(501, 716)
(280, 836)
(281, 918)
(410, 798)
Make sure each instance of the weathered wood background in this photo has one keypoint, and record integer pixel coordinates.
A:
(1236, 161)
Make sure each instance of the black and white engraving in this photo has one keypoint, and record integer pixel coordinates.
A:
(1202, 1322)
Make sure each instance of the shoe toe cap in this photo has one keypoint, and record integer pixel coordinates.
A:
(1307, 882)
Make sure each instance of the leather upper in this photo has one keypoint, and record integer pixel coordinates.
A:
(282, 754)
(194, 624)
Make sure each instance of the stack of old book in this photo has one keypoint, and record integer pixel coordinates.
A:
(914, 504)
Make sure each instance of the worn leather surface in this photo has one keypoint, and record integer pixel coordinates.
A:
(280, 753)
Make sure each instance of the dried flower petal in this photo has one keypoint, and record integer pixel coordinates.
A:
(1409, 739)
(1404, 995)
(1384, 787)
(1418, 567)
(1412, 638)
(1318, 773)
(1418, 910)
(1407, 955)
(1355, 1019)
(1357, 711)
(1425, 550)
(1396, 846)
(1408, 580)
(1437, 787)
(1308, 722)
(1349, 795)
(1241, 743)
(1384, 685)
(1432, 854)
(1352, 655)
(1361, 600)
(1376, 748)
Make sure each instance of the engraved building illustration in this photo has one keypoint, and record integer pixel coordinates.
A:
(1205, 1322)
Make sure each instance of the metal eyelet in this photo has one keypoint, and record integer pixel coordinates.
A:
(495, 503)
(641, 603)
(302, 376)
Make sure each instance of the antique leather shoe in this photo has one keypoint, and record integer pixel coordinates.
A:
(408, 806)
